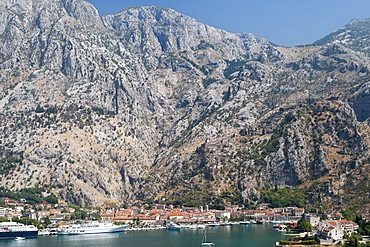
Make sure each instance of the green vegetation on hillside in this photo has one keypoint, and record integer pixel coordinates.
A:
(32, 195)
(363, 226)
(8, 164)
(284, 197)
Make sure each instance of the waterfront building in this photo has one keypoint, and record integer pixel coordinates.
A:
(330, 230)
(221, 214)
(175, 216)
(208, 215)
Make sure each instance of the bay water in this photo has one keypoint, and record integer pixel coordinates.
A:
(253, 235)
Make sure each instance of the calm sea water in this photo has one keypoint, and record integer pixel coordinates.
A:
(225, 236)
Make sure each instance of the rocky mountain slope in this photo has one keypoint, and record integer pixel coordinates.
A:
(354, 35)
(150, 104)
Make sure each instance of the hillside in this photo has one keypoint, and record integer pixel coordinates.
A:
(149, 104)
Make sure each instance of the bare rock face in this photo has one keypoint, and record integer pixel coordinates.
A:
(147, 102)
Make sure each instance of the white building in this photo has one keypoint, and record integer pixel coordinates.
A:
(222, 214)
(348, 226)
(312, 219)
(18, 209)
(2, 212)
(330, 230)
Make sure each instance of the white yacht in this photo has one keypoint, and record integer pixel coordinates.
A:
(91, 228)
(173, 226)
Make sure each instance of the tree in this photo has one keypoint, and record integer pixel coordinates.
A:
(349, 214)
(353, 241)
(97, 216)
(304, 226)
(26, 221)
(79, 215)
(46, 221)
(52, 199)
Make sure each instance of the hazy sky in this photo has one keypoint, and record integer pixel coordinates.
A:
(284, 22)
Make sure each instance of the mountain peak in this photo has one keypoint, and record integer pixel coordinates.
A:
(354, 35)
(357, 22)
(155, 30)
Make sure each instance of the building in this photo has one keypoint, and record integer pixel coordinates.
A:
(312, 219)
(298, 211)
(330, 230)
(9, 215)
(222, 214)
(19, 208)
(2, 212)
(208, 215)
(106, 217)
(175, 216)
(348, 226)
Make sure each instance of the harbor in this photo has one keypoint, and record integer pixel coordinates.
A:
(257, 235)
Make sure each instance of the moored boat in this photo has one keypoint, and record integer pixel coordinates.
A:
(44, 232)
(214, 224)
(201, 226)
(245, 222)
(276, 222)
(91, 228)
(15, 229)
(173, 226)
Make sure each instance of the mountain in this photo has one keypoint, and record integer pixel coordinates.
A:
(149, 104)
(355, 35)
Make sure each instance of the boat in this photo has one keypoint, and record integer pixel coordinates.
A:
(214, 224)
(15, 229)
(44, 232)
(91, 228)
(204, 241)
(281, 228)
(201, 226)
(19, 238)
(193, 227)
(276, 222)
(207, 244)
(173, 226)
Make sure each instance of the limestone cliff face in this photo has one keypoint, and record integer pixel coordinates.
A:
(149, 103)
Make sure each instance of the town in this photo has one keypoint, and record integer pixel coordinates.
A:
(331, 230)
